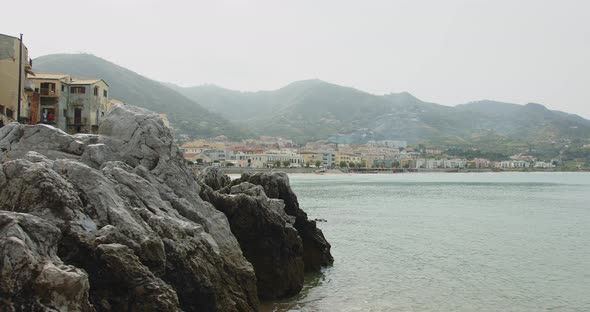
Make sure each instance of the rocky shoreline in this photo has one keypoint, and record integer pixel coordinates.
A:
(117, 221)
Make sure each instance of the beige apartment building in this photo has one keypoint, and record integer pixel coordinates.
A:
(9, 81)
(310, 158)
(347, 158)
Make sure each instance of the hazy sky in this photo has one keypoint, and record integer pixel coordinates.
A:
(448, 52)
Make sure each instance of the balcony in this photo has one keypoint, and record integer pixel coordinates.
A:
(48, 92)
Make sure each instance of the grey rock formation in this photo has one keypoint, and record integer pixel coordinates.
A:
(316, 249)
(116, 222)
(267, 237)
(119, 219)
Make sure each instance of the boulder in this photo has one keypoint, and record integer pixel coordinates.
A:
(267, 238)
(316, 249)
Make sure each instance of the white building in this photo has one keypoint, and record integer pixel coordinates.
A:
(441, 163)
(543, 164)
(512, 164)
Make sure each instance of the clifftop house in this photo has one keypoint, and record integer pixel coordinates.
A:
(71, 104)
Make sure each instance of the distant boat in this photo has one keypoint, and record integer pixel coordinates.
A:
(320, 171)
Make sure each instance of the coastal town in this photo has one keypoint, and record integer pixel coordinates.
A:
(274, 152)
(79, 104)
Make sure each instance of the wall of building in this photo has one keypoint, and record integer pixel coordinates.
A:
(93, 107)
(9, 73)
(55, 102)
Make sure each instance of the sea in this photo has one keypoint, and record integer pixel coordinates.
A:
(448, 242)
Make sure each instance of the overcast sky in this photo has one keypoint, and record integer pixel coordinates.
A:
(448, 52)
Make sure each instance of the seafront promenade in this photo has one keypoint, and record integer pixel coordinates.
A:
(240, 170)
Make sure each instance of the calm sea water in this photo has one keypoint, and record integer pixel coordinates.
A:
(449, 242)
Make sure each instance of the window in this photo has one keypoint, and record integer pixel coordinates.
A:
(79, 90)
(1, 109)
(95, 91)
(9, 113)
(63, 88)
(104, 93)
(48, 88)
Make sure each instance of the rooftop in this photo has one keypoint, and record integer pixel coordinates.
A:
(49, 76)
(84, 81)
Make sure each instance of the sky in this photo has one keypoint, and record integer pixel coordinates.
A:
(448, 52)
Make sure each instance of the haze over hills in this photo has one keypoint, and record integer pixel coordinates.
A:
(314, 109)
(132, 88)
(311, 110)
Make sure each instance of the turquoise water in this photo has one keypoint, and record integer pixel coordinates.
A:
(449, 242)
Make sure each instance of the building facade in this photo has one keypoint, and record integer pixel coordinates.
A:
(441, 163)
(71, 104)
(10, 70)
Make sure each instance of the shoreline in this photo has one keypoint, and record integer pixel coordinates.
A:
(306, 171)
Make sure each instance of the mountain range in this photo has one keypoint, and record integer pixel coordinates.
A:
(310, 110)
(314, 109)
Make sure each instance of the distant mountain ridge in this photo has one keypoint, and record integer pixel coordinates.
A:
(132, 88)
(313, 109)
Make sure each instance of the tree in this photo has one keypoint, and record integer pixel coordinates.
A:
(277, 164)
(306, 165)
(199, 160)
(343, 164)
(351, 164)
(318, 163)
(363, 164)
(395, 164)
(407, 165)
(229, 164)
(286, 163)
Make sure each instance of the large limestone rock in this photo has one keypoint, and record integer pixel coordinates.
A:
(316, 249)
(265, 232)
(116, 222)
(112, 222)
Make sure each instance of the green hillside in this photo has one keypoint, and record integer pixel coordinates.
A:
(312, 109)
(132, 88)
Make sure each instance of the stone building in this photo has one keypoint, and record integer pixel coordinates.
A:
(71, 104)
